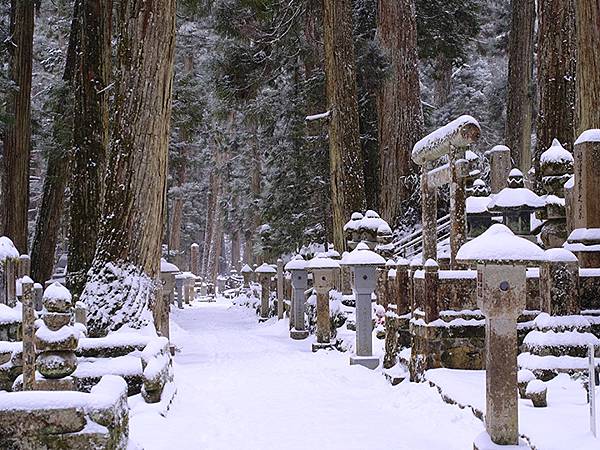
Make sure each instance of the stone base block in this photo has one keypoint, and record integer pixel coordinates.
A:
(298, 335)
(370, 362)
(484, 442)
(61, 384)
(316, 346)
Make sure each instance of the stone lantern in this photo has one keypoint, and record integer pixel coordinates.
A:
(351, 230)
(324, 271)
(369, 227)
(264, 272)
(364, 264)
(501, 259)
(556, 166)
(516, 204)
(247, 275)
(297, 267)
(161, 311)
(479, 218)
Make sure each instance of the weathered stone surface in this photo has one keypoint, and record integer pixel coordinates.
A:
(56, 384)
(41, 421)
(69, 343)
(56, 364)
(55, 321)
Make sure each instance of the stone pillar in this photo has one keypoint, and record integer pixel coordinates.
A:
(402, 287)
(195, 259)
(81, 311)
(458, 215)
(179, 282)
(247, 275)
(415, 265)
(431, 307)
(56, 342)
(559, 283)
(280, 295)
(27, 300)
(299, 284)
(364, 285)
(381, 285)
(501, 297)
(10, 274)
(264, 273)
(500, 165)
(162, 303)
(585, 238)
(24, 266)
(346, 276)
(323, 270)
(429, 216)
(38, 291)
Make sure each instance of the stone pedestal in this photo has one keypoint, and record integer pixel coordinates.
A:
(195, 259)
(297, 267)
(28, 334)
(559, 283)
(323, 270)
(179, 283)
(280, 296)
(501, 297)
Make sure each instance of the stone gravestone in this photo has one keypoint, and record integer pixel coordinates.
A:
(502, 259)
(364, 264)
(297, 267)
(324, 272)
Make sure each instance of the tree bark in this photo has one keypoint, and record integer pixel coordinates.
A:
(556, 75)
(121, 282)
(345, 155)
(588, 67)
(519, 105)
(398, 103)
(43, 247)
(17, 135)
(90, 140)
(442, 80)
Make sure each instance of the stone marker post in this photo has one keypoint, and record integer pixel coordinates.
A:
(264, 273)
(297, 267)
(429, 215)
(500, 165)
(501, 259)
(38, 291)
(27, 299)
(364, 264)
(10, 273)
(584, 240)
(24, 266)
(179, 286)
(81, 311)
(323, 270)
(430, 306)
(195, 259)
(559, 283)
(280, 294)
(164, 297)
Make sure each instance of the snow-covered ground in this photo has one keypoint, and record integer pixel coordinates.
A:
(244, 385)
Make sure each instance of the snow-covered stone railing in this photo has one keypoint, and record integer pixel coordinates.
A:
(157, 369)
(43, 419)
(452, 140)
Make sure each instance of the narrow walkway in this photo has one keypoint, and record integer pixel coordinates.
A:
(242, 385)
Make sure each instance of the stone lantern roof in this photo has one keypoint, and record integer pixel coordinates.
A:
(167, 267)
(363, 256)
(354, 223)
(322, 261)
(7, 249)
(556, 160)
(247, 269)
(499, 245)
(264, 268)
(516, 198)
(297, 263)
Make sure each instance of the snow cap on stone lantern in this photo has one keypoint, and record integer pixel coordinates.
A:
(322, 261)
(479, 188)
(57, 298)
(167, 267)
(7, 248)
(515, 179)
(264, 269)
(499, 245)
(246, 269)
(390, 263)
(296, 263)
(363, 256)
(557, 160)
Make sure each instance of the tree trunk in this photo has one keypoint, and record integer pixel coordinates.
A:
(345, 155)
(519, 105)
(235, 250)
(121, 282)
(442, 80)
(17, 135)
(556, 75)
(398, 104)
(588, 67)
(211, 213)
(47, 226)
(90, 140)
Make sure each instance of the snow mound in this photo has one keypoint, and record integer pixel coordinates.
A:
(516, 198)
(57, 291)
(556, 154)
(7, 249)
(592, 135)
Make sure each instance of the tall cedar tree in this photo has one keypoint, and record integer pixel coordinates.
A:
(399, 104)
(556, 75)
(17, 134)
(47, 224)
(121, 283)
(90, 139)
(588, 65)
(519, 105)
(346, 162)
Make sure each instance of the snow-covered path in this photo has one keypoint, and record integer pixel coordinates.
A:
(242, 385)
